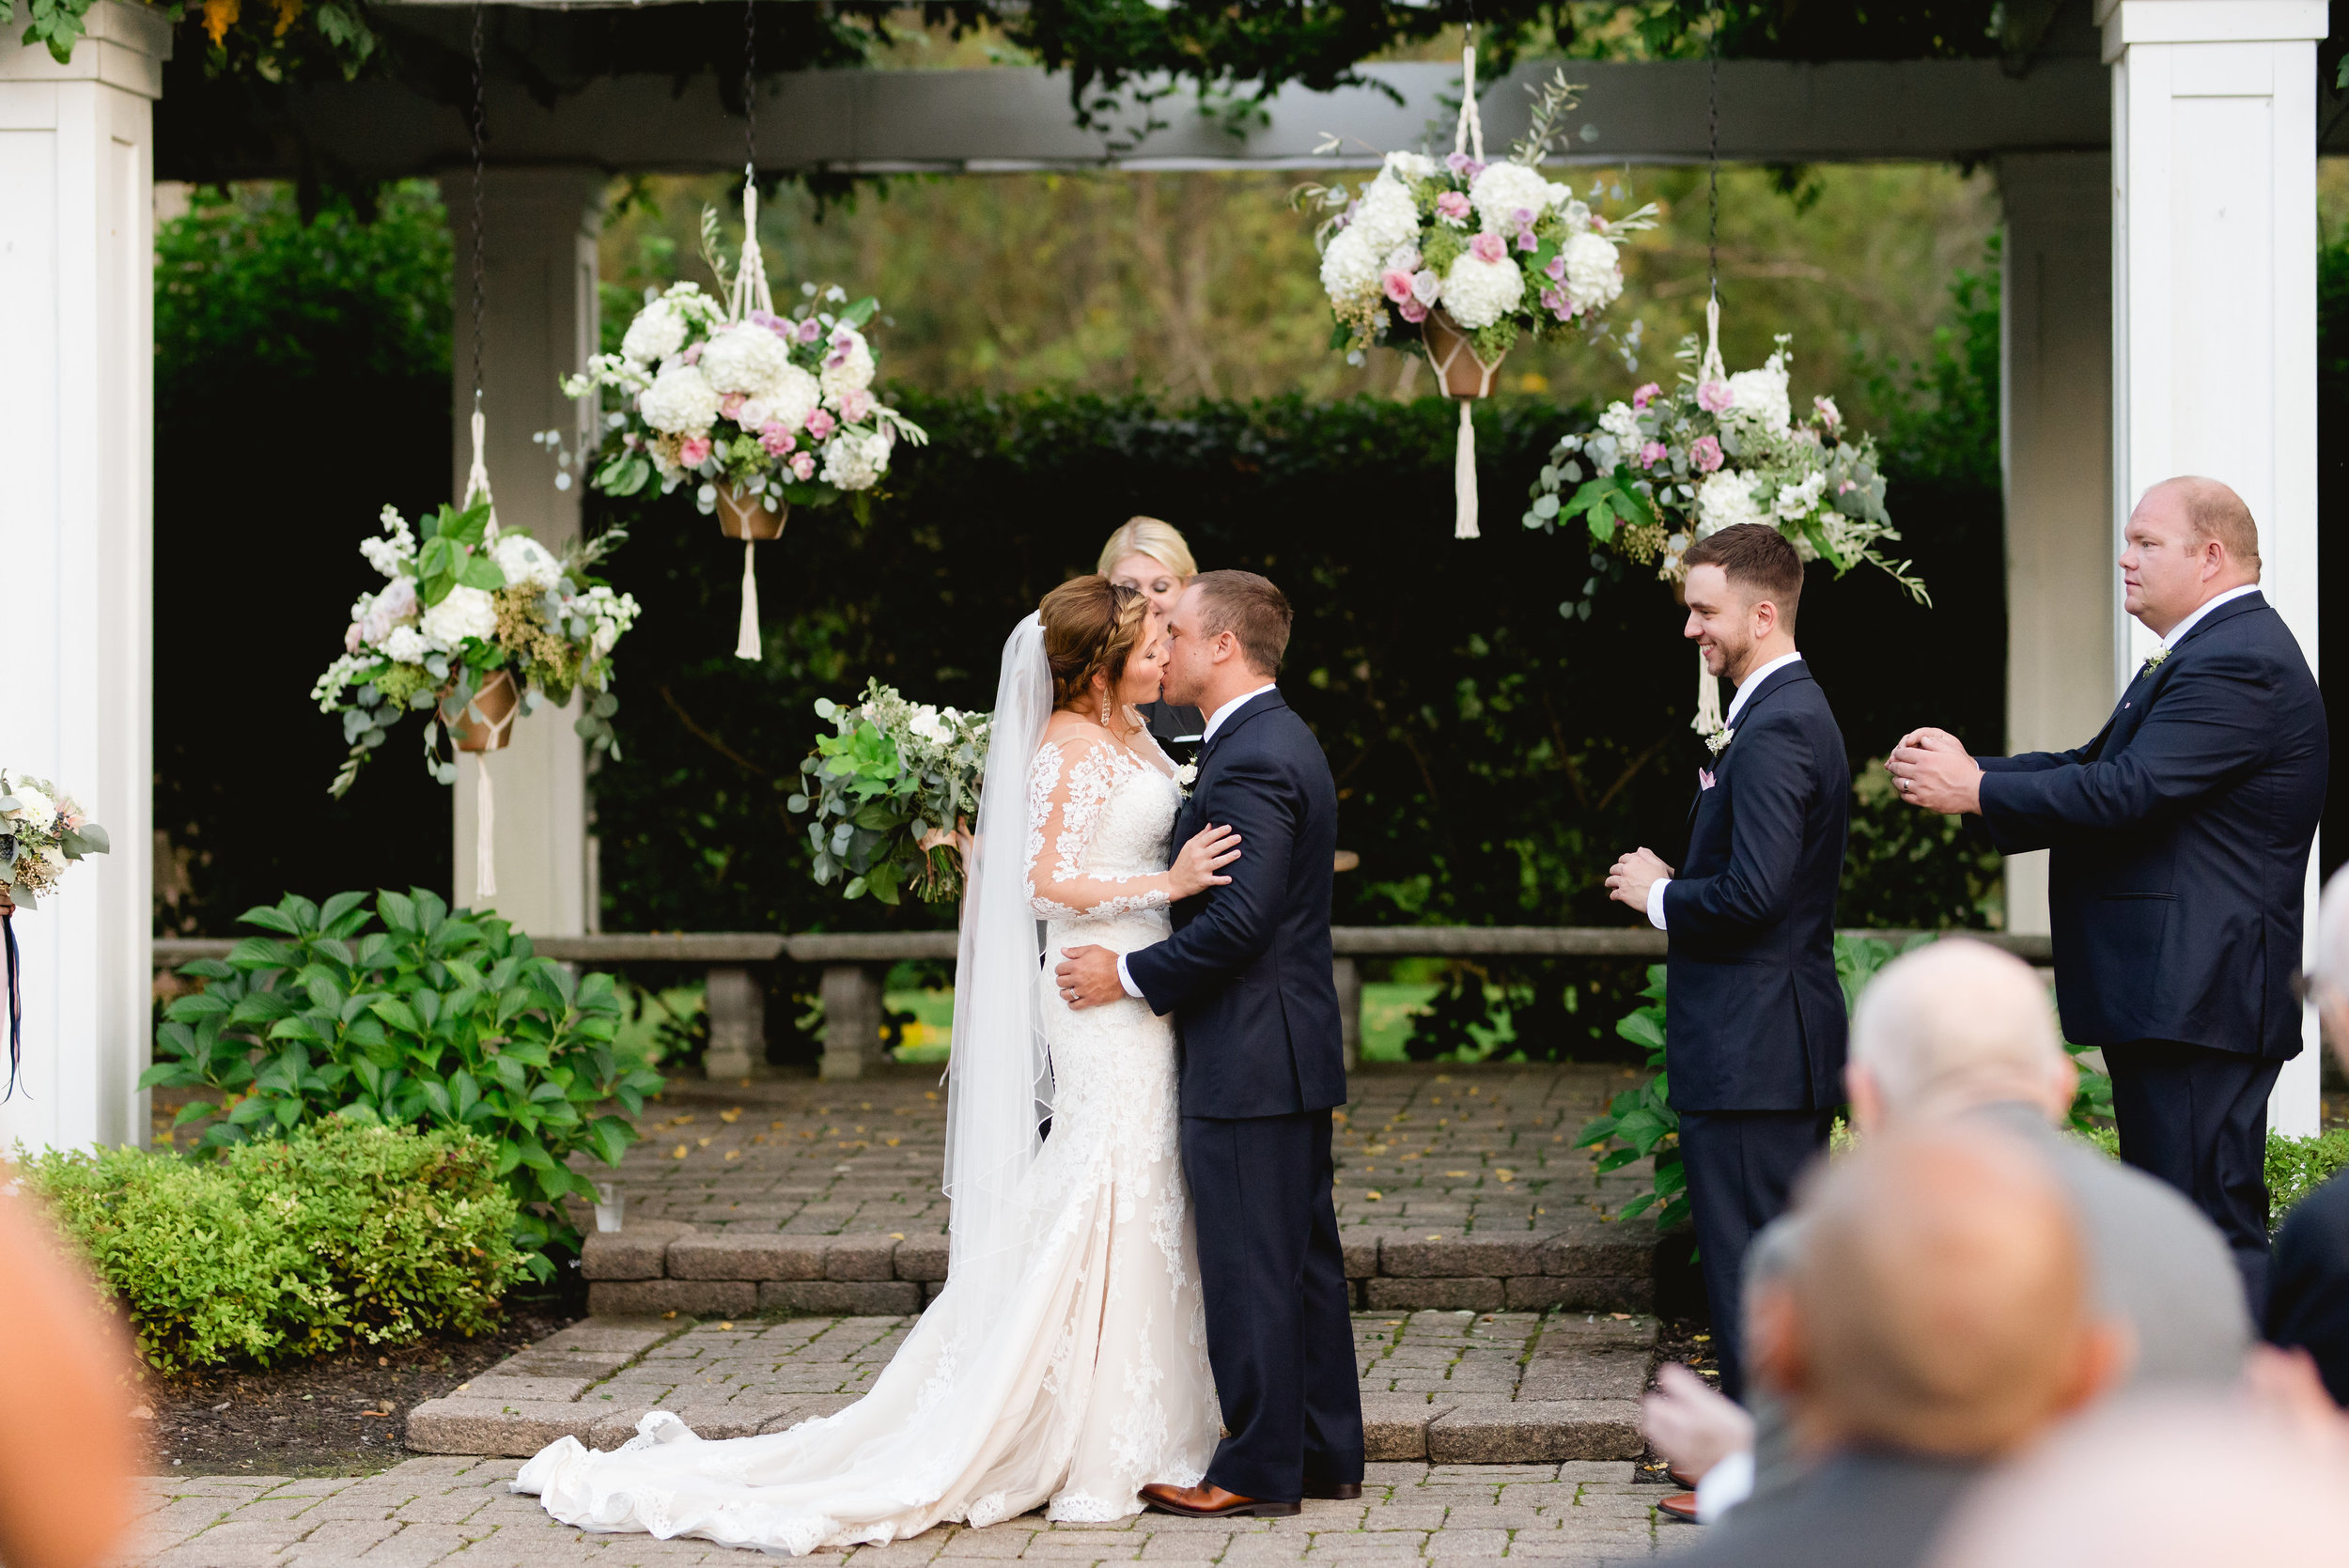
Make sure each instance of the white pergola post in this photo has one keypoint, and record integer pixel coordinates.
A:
(540, 316)
(77, 413)
(2055, 418)
(2214, 224)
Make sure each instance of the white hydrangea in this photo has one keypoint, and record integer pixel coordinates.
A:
(855, 459)
(1797, 502)
(1478, 293)
(681, 401)
(1758, 397)
(527, 564)
(406, 645)
(791, 398)
(1412, 165)
(1620, 422)
(1349, 268)
(1501, 190)
(466, 612)
(745, 358)
(847, 362)
(658, 331)
(1724, 499)
(1594, 278)
(1386, 216)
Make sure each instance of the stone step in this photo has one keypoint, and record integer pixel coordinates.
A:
(1459, 1387)
(1581, 1262)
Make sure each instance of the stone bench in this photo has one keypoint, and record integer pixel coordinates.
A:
(658, 1267)
(855, 963)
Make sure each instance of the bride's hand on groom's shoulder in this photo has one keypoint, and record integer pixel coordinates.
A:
(1210, 849)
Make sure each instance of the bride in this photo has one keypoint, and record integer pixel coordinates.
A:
(1067, 1360)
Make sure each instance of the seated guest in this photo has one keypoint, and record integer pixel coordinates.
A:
(2161, 1483)
(1150, 555)
(2308, 1304)
(1936, 1314)
(1961, 1029)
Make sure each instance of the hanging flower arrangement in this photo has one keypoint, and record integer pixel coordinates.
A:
(470, 626)
(758, 411)
(1666, 469)
(1463, 258)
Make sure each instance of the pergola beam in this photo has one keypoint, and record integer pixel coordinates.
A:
(1012, 119)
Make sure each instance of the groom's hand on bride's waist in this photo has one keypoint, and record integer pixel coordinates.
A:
(1088, 977)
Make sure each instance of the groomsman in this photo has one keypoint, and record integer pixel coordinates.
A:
(2181, 840)
(1754, 1030)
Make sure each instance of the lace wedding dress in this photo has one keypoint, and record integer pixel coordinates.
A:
(1085, 1376)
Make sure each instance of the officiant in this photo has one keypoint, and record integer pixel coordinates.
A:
(2179, 837)
(1150, 555)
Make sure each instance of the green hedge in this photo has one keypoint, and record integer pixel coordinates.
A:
(341, 1234)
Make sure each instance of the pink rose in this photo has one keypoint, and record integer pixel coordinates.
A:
(731, 404)
(691, 355)
(1412, 311)
(855, 404)
(802, 465)
(1655, 452)
(820, 424)
(1397, 284)
(692, 451)
(1645, 396)
(1714, 397)
(776, 437)
(1705, 451)
(1488, 247)
(1453, 206)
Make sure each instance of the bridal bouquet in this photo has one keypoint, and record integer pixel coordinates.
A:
(775, 407)
(1493, 251)
(467, 622)
(41, 830)
(891, 788)
(1666, 469)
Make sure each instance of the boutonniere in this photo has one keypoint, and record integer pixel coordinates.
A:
(2153, 661)
(1717, 741)
(1185, 774)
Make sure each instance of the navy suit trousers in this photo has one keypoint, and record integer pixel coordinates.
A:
(1279, 1333)
(2197, 1118)
(1741, 1167)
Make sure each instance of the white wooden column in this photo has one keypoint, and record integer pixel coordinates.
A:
(540, 229)
(2214, 224)
(77, 413)
(2055, 420)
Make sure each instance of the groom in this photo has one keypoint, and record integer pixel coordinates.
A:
(1247, 974)
(1753, 1032)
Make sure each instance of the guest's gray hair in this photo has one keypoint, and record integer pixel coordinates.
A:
(1956, 1024)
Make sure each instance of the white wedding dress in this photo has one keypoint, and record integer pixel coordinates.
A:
(1080, 1373)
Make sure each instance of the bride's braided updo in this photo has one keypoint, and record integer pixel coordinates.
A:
(1091, 625)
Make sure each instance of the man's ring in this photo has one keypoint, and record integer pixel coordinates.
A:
(1904, 787)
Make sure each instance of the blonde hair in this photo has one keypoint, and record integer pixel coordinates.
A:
(1160, 541)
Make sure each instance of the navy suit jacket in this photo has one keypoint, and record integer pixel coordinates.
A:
(1755, 1017)
(1247, 972)
(2181, 837)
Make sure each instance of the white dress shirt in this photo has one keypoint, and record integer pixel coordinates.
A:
(1746, 688)
(2177, 632)
(1207, 738)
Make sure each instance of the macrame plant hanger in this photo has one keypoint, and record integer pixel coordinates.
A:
(1708, 719)
(488, 720)
(740, 516)
(1467, 137)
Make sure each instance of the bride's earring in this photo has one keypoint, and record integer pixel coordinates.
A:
(1105, 710)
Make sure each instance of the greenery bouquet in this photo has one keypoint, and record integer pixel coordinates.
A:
(893, 789)
(469, 624)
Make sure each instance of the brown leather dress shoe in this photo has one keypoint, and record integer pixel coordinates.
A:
(1212, 1503)
(1681, 1506)
(1680, 1478)
(1341, 1491)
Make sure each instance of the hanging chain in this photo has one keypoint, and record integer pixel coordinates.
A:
(1713, 154)
(479, 136)
(750, 89)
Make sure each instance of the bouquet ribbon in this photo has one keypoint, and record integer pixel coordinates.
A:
(16, 1005)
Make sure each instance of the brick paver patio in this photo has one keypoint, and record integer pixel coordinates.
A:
(458, 1511)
